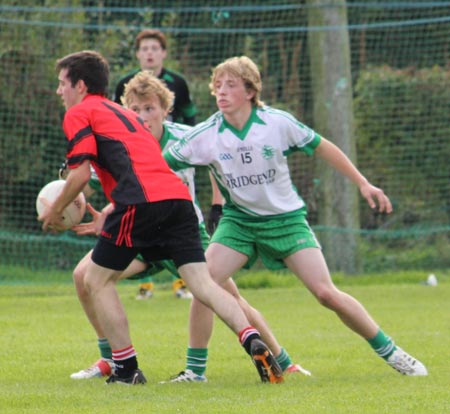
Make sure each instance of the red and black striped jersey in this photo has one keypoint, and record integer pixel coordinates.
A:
(125, 155)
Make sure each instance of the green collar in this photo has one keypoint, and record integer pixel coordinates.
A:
(241, 134)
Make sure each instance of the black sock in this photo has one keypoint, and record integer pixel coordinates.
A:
(247, 335)
(126, 367)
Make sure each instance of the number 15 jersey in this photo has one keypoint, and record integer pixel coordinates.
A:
(250, 165)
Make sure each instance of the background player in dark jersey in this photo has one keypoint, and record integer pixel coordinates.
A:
(153, 213)
(151, 50)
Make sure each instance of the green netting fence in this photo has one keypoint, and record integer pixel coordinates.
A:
(400, 77)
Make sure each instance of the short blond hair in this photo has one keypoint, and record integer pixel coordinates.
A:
(144, 86)
(244, 68)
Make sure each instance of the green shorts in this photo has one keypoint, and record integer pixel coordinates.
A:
(160, 265)
(271, 238)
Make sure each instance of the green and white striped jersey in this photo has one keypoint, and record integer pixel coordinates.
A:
(249, 165)
(173, 133)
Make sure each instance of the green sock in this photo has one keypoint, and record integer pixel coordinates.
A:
(382, 344)
(196, 359)
(283, 359)
(105, 349)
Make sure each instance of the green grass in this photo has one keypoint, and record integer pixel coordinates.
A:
(44, 337)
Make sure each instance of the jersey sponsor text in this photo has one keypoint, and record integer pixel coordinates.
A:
(266, 177)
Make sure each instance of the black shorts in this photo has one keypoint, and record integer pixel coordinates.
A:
(161, 230)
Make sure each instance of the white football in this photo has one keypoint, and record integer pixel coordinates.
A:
(72, 214)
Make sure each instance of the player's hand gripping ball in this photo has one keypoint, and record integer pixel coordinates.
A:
(72, 214)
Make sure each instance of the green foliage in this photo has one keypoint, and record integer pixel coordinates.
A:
(407, 253)
(402, 134)
(27, 144)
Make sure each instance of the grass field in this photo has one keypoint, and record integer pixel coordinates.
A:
(44, 337)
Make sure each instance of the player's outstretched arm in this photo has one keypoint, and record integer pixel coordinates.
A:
(335, 157)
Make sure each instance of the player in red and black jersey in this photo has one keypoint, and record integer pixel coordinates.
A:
(153, 213)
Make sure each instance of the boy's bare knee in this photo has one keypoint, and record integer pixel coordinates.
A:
(327, 297)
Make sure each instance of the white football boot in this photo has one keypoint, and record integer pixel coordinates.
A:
(406, 364)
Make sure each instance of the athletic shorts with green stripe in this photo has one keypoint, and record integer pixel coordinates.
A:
(272, 238)
(160, 265)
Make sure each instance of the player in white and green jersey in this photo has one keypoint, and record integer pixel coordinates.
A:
(245, 145)
(172, 132)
